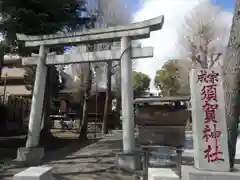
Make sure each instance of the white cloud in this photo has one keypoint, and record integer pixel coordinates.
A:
(164, 41)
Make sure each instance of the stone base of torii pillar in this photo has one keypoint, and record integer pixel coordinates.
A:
(30, 156)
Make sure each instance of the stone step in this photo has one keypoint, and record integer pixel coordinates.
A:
(162, 174)
(35, 173)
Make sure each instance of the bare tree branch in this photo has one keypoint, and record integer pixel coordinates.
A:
(214, 60)
(202, 34)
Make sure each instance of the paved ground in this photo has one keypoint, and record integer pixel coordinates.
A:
(96, 161)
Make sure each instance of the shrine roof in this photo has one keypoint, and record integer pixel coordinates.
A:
(13, 72)
(162, 99)
(19, 90)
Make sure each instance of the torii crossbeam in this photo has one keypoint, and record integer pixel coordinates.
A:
(96, 56)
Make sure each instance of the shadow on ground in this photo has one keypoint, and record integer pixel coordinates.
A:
(109, 144)
(95, 162)
(68, 149)
(9, 146)
(105, 174)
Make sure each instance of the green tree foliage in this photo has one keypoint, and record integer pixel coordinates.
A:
(167, 79)
(37, 17)
(185, 67)
(141, 83)
(29, 78)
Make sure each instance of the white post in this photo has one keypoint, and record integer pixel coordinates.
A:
(34, 126)
(127, 96)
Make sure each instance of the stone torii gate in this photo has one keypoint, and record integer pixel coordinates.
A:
(123, 33)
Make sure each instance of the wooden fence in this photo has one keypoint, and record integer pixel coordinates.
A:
(17, 109)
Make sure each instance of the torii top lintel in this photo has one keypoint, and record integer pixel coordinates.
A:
(137, 30)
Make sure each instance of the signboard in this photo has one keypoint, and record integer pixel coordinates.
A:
(209, 123)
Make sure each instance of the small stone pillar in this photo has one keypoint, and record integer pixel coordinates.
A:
(211, 156)
(35, 173)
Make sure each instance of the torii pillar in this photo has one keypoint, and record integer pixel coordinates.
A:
(123, 33)
(127, 96)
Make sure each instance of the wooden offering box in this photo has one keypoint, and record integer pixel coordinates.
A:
(161, 120)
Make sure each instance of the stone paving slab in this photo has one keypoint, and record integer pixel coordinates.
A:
(96, 161)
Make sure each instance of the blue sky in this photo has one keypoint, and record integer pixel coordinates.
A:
(226, 4)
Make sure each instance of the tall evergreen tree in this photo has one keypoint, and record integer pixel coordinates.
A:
(37, 17)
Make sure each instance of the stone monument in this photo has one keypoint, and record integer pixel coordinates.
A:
(123, 33)
(211, 157)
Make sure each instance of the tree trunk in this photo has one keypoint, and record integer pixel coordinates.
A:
(108, 99)
(118, 100)
(204, 54)
(46, 123)
(231, 69)
(3, 50)
(1, 63)
(81, 110)
(84, 122)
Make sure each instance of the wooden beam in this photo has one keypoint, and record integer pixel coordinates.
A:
(107, 55)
